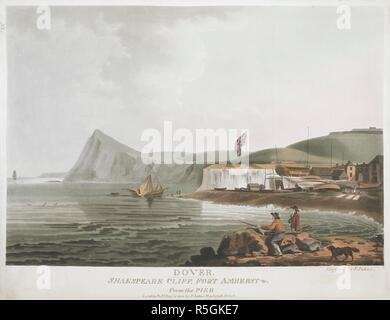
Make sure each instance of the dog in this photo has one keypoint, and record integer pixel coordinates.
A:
(346, 251)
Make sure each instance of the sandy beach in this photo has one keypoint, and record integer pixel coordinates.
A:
(368, 253)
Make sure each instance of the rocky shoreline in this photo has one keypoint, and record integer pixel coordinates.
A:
(246, 247)
(370, 205)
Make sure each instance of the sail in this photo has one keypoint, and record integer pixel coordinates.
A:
(159, 188)
(147, 186)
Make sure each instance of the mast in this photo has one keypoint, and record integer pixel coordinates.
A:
(273, 170)
(331, 153)
(276, 154)
(307, 147)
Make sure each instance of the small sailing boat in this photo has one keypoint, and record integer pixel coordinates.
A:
(146, 189)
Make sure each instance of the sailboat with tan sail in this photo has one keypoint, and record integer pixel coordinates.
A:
(146, 189)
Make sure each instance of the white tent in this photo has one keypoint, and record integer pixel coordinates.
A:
(231, 178)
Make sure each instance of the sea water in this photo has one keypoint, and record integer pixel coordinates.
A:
(81, 224)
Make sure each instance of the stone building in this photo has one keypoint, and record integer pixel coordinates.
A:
(362, 172)
(375, 169)
(350, 170)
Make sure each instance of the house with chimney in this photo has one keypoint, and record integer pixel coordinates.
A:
(375, 170)
(362, 172)
(350, 170)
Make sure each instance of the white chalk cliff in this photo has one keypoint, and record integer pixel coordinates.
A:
(105, 159)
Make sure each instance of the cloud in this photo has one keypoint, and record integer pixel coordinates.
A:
(56, 91)
(274, 71)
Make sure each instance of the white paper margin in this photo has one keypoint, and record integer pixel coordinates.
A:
(20, 282)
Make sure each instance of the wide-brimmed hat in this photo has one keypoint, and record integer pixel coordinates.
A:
(275, 215)
(294, 207)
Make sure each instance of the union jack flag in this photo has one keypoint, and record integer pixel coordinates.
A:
(241, 140)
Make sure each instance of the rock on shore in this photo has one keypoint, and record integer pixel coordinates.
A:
(247, 248)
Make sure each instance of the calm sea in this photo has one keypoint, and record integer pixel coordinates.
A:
(82, 225)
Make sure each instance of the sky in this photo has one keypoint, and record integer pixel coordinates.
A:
(272, 70)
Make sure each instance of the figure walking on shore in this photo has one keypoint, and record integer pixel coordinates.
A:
(275, 234)
(295, 220)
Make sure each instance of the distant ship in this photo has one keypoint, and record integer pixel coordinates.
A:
(146, 189)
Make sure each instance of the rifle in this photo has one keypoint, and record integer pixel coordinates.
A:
(304, 228)
(254, 227)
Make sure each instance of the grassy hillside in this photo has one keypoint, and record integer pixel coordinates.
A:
(355, 145)
(288, 155)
